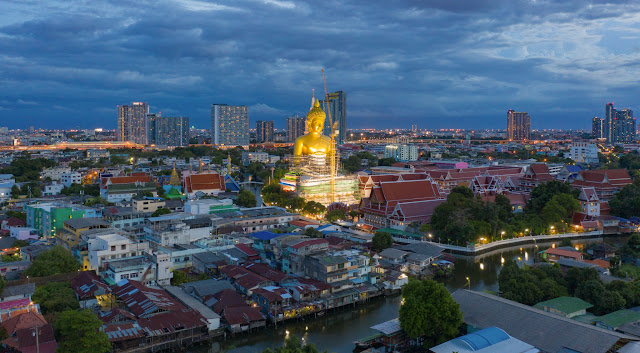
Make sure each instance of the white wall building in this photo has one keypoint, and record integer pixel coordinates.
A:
(70, 178)
(54, 173)
(54, 189)
(6, 183)
(584, 152)
(111, 247)
(401, 152)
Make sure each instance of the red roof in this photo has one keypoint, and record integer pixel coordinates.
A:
(86, 283)
(309, 242)
(272, 294)
(173, 321)
(15, 304)
(209, 181)
(563, 252)
(25, 340)
(599, 262)
(29, 319)
(242, 315)
(142, 300)
(15, 222)
(145, 178)
(247, 250)
(266, 271)
(228, 298)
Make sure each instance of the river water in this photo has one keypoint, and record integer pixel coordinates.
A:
(336, 331)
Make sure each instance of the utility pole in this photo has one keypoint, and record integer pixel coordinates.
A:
(37, 339)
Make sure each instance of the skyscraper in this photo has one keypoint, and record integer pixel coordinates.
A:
(151, 128)
(264, 131)
(337, 109)
(619, 125)
(518, 125)
(172, 131)
(132, 122)
(295, 127)
(229, 125)
(597, 128)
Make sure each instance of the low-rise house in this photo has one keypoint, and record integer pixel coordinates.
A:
(330, 269)
(241, 319)
(394, 256)
(565, 306)
(603, 250)
(108, 247)
(88, 288)
(30, 252)
(213, 319)
(139, 268)
(556, 254)
(270, 273)
(207, 262)
(13, 270)
(20, 291)
(616, 319)
(25, 340)
(203, 290)
(297, 250)
(394, 280)
(23, 233)
(272, 300)
(227, 298)
(147, 205)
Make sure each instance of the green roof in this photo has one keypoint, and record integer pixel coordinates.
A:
(619, 318)
(394, 231)
(566, 305)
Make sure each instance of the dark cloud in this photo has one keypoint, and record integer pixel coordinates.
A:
(437, 63)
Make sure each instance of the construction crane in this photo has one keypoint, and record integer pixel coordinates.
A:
(332, 150)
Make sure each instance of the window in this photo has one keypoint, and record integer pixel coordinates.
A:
(113, 248)
(123, 247)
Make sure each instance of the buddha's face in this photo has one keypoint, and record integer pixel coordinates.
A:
(316, 125)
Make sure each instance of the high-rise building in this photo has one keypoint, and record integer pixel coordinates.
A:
(230, 125)
(295, 127)
(597, 127)
(167, 130)
(337, 110)
(264, 131)
(619, 125)
(518, 125)
(132, 122)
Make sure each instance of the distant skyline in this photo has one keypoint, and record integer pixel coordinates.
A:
(436, 64)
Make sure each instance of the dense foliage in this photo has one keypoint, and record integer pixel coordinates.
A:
(246, 199)
(429, 312)
(273, 194)
(381, 241)
(55, 297)
(78, 331)
(464, 218)
(626, 203)
(27, 169)
(160, 212)
(336, 215)
(533, 285)
(51, 262)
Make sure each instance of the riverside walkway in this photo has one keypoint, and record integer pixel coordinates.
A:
(482, 248)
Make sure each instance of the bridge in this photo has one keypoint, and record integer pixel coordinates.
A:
(482, 248)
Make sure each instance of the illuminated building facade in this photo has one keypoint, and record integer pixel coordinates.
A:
(597, 128)
(619, 125)
(518, 125)
(170, 131)
(132, 122)
(230, 125)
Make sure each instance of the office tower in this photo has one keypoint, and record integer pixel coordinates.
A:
(337, 109)
(172, 131)
(518, 125)
(264, 131)
(229, 125)
(597, 128)
(132, 122)
(295, 127)
(619, 125)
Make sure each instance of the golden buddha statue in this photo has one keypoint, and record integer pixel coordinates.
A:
(314, 143)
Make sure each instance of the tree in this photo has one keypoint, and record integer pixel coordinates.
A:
(78, 331)
(296, 203)
(544, 192)
(51, 262)
(55, 297)
(160, 211)
(246, 198)
(576, 276)
(3, 283)
(335, 215)
(179, 277)
(626, 203)
(381, 241)
(314, 208)
(429, 311)
(312, 232)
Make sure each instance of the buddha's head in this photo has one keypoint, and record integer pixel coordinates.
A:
(315, 118)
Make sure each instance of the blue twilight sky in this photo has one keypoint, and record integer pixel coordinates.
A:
(434, 63)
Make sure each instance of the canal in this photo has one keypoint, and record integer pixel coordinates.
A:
(336, 331)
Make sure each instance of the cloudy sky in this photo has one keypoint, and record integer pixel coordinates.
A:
(434, 63)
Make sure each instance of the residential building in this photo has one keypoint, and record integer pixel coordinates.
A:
(264, 131)
(70, 234)
(209, 206)
(47, 218)
(299, 249)
(6, 184)
(132, 122)
(260, 157)
(52, 189)
(105, 248)
(295, 127)
(518, 125)
(589, 202)
(229, 125)
(402, 152)
(565, 306)
(555, 254)
(619, 125)
(597, 127)
(336, 108)
(170, 131)
(69, 178)
(147, 205)
(584, 152)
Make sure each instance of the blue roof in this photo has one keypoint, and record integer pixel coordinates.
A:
(265, 235)
(484, 338)
(573, 168)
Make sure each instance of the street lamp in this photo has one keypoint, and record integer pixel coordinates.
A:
(469, 283)
(502, 234)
